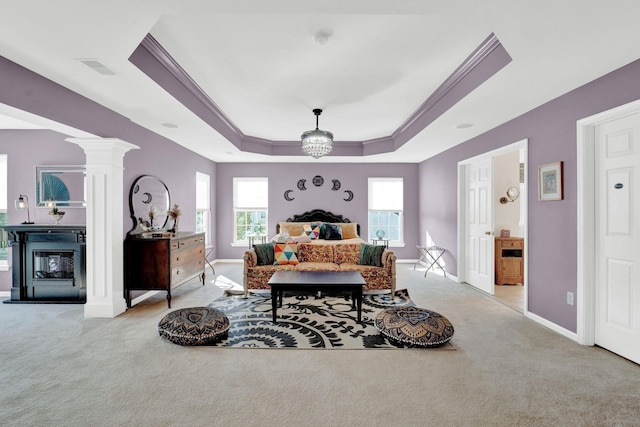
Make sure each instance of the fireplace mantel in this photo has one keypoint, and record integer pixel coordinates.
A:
(48, 263)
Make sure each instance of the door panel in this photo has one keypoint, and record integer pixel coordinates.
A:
(617, 325)
(479, 266)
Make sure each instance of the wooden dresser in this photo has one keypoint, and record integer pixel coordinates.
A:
(509, 260)
(162, 263)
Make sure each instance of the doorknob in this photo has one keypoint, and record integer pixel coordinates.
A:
(488, 233)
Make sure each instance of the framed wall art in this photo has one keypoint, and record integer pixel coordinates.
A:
(550, 182)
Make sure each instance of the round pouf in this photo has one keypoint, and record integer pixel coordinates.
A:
(414, 326)
(194, 326)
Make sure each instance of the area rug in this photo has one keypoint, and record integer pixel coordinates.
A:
(308, 322)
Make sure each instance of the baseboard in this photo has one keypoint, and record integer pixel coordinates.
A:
(5, 294)
(143, 297)
(233, 261)
(554, 327)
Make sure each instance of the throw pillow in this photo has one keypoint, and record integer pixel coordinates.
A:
(332, 232)
(285, 253)
(318, 229)
(310, 231)
(265, 253)
(371, 255)
(349, 230)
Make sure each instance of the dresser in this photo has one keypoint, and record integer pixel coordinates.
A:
(162, 263)
(509, 258)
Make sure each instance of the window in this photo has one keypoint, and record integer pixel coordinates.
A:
(385, 209)
(203, 205)
(250, 206)
(3, 212)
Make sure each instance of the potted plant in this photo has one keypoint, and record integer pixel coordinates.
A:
(56, 214)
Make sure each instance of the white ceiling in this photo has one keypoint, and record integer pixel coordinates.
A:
(258, 62)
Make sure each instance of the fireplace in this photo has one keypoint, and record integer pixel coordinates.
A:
(48, 263)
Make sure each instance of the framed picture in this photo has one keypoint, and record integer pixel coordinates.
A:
(550, 182)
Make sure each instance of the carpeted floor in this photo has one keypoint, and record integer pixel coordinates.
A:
(59, 369)
(308, 322)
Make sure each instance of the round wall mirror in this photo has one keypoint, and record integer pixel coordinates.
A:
(149, 201)
(513, 193)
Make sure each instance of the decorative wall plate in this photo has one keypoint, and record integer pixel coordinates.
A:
(318, 180)
(301, 184)
(349, 196)
(287, 196)
(336, 185)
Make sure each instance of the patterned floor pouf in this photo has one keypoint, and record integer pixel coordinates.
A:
(414, 326)
(194, 326)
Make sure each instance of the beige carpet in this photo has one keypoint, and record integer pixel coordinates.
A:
(59, 369)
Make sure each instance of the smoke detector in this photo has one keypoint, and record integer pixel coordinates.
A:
(322, 37)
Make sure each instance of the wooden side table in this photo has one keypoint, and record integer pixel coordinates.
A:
(509, 260)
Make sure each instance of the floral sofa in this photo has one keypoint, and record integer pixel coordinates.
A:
(324, 256)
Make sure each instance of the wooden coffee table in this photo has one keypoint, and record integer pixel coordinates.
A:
(314, 281)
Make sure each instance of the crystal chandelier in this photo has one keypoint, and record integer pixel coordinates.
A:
(317, 143)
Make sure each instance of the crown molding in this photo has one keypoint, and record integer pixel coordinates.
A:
(486, 60)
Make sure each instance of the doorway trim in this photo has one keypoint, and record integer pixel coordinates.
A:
(586, 221)
(524, 205)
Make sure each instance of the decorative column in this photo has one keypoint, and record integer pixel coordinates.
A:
(105, 194)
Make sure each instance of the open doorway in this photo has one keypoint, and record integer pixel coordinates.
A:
(492, 224)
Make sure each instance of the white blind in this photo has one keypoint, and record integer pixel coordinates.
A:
(250, 193)
(386, 194)
(202, 191)
(3, 182)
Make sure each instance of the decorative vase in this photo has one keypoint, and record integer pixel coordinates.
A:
(380, 234)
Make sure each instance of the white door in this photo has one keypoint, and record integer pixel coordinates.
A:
(479, 225)
(617, 324)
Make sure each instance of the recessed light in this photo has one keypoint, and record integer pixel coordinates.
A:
(464, 126)
(170, 125)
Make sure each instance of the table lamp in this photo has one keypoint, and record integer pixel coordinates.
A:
(23, 204)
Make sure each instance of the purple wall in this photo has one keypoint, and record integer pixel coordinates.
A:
(284, 176)
(551, 130)
(28, 91)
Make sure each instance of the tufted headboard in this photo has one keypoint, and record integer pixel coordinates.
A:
(318, 215)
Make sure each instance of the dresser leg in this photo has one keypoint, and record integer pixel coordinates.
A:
(169, 298)
(203, 277)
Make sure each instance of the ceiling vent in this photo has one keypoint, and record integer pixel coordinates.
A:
(98, 67)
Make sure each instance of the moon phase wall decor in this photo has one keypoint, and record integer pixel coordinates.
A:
(318, 181)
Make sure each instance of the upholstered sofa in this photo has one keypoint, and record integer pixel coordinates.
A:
(324, 256)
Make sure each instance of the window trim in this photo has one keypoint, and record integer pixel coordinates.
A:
(371, 182)
(237, 180)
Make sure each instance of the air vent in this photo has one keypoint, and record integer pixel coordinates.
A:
(98, 67)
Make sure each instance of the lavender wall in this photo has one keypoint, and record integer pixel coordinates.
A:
(551, 130)
(25, 150)
(284, 176)
(157, 155)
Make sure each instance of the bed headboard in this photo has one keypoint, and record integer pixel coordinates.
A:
(319, 215)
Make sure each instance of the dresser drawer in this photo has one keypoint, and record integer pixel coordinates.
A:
(186, 271)
(516, 244)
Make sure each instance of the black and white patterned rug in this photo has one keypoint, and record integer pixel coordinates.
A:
(307, 322)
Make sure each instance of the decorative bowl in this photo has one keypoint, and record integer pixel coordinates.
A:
(57, 216)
